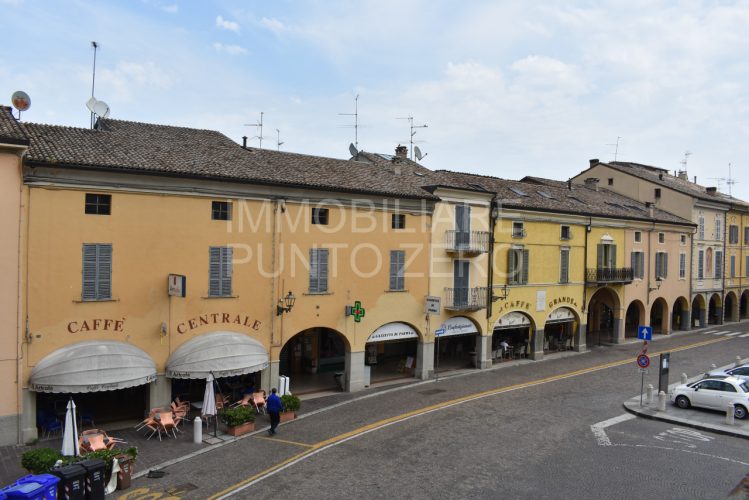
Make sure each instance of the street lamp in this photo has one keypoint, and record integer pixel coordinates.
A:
(285, 304)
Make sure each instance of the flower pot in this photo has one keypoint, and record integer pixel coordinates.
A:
(238, 430)
(287, 415)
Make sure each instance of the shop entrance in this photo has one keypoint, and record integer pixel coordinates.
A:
(601, 316)
(559, 330)
(634, 318)
(731, 307)
(715, 310)
(511, 337)
(679, 316)
(315, 360)
(391, 352)
(744, 309)
(456, 348)
(659, 316)
(698, 311)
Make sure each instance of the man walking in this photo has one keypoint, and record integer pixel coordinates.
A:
(274, 407)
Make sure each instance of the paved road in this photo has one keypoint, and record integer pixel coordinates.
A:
(526, 433)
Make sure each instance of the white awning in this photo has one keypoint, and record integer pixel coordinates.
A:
(93, 366)
(458, 325)
(224, 354)
(561, 315)
(393, 331)
(512, 319)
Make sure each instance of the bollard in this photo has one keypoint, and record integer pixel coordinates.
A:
(661, 401)
(684, 378)
(649, 393)
(197, 431)
(729, 414)
(738, 360)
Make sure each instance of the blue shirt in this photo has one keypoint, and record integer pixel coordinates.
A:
(274, 403)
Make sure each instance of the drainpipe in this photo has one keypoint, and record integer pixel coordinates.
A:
(691, 276)
(723, 270)
(588, 228)
(23, 296)
(490, 277)
(650, 250)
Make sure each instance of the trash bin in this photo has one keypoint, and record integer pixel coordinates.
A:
(95, 485)
(125, 475)
(30, 490)
(72, 482)
(48, 481)
(339, 379)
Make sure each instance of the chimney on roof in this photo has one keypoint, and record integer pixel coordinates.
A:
(592, 183)
(711, 190)
(244, 141)
(695, 179)
(593, 162)
(569, 184)
(401, 151)
(683, 176)
(660, 177)
(651, 209)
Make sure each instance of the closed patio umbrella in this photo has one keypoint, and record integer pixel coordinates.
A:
(70, 433)
(209, 399)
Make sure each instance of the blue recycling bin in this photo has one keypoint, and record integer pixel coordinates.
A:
(28, 491)
(48, 481)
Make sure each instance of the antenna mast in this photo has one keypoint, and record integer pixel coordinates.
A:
(355, 114)
(730, 181)
(687, 154)
(93, 79)
(278, 140)
(260, 127)
(413, 133)
(616, 147)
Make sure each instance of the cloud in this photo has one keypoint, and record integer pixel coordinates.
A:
(227, 25)
(273, 25)
(128, 78)
(549, 74)
(229, 49)
(171, 9)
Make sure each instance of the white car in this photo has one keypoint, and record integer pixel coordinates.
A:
(714, 393)
(741, 372)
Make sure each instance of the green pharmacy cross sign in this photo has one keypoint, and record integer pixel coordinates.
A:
(357, 311)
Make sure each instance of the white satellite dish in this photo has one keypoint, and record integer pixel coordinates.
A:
(91, 103)
(21, 100)
(352, 149)
(101, 109)
(418, 154)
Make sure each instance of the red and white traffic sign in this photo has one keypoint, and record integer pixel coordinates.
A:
(643, 361)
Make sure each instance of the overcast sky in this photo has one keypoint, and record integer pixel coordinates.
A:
(506, 88)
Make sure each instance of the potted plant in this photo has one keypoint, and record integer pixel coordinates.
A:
(40, 460)
(238, 420)
(291, 405)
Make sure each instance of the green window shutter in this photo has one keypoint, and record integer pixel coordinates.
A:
(733, 266)
(664, 265)
(323, 267)
(564, 275)
(701, 264)
(512, 266)
(526, 265)
(226, 270)
(600, 256)
(397, 260)
(612, 257)
(214, 271)
(718, 265)
(104, 272)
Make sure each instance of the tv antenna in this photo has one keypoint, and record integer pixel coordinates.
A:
(278, 140)
(616, 147)
(95, 46)
(355, 114)
(260, 128)
(687, 154)
(413, 132)
(730, 181)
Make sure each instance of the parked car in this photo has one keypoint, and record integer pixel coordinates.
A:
(714, 393)
(741, 371)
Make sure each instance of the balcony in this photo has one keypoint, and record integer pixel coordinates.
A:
(605, 275)
(465, 299)
(467, 242)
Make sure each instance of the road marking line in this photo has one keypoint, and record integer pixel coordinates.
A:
(734, 334)
(720, 332)
(366, 429)
(295, 443)
(709, 331)
(600, 433)
(726, 459)
(745, 335)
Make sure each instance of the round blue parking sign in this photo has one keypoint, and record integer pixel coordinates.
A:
(643, 361)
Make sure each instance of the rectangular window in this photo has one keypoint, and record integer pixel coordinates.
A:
(518, 231)
(565, 233)
(657, 193)
(221, 210)
(701, 228)
(733, 266)
(98, 204)
(611, 181)
(564, 265)
(398, 221)
(397, 263)
(638, 265)
(318, 270)
(219, 272)
(320, 216)
(746, 236)
(718, 265)
(682, 266)
(606, 256)
(718, 232)
(701, 264)
(683, 239)
(746, 267)
(463, 225)
(97, 271)
(661, 237)
(733, 234)
(638, 237)
(661, 265)
(518, 266)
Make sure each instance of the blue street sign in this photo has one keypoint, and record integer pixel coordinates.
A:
(439, 331)
(645, 332)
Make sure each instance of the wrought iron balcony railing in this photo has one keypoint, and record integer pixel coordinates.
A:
(609, 275)
(467, 242)
(465, 299)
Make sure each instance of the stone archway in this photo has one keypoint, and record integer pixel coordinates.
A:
(312, 359)
(561, 330)
(715, 310)
(635, 317)
(659, 316)
(603, 317)
(680, 315)
(517, 329)
(699, 312)
(744, 307)
(731, 307)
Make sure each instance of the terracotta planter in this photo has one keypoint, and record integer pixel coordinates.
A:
(287, 415)
(241, 429)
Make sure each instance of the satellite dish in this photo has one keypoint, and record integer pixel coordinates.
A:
(21, 100)
(352, 149)
(418, 154)
(101, 109)
(91, 103)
